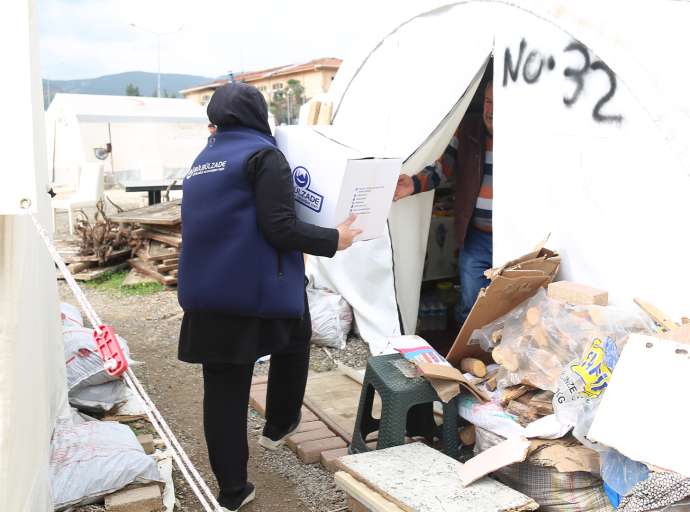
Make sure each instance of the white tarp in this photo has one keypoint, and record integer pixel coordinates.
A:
(32, 370)
(151, 138)
(609, 192)
(19, 128)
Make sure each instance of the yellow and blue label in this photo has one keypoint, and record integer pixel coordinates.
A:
(596, 366)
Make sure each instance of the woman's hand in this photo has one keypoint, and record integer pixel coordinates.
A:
(346, 234)
(404, 188)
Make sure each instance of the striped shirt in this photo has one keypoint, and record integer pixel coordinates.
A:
(443, 170)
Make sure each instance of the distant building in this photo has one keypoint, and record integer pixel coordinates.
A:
(315, 76)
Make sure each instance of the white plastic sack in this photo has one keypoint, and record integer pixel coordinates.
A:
(100, 398)
(331, 318)
(70, 316)
(90, 459)
(492, 417)
(83, 363)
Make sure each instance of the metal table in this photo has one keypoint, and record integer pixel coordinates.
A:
(153, 187)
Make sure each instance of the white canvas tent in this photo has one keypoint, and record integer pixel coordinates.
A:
(603, 167)
(151, 138)
(32, 380)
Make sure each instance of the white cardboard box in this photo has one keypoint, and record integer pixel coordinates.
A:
(332, 180)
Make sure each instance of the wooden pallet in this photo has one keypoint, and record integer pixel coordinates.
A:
(161, 214)
(151, 271)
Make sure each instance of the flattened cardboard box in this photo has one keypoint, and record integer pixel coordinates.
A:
(511, 284)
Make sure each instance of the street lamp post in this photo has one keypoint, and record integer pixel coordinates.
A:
(158, 38)
(289, 116)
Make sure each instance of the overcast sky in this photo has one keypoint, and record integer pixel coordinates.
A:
(89, 38)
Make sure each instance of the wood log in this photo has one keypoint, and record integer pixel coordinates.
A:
(479, 380)
(506, 358)
(325, 113)
(166, 268)
(75, 268)
(513, 393)
(143, 255)
(576, 293)
(527, 397)
(656, 314)
(533, 316)
(144, 268)
(473, 366)
(174, 240)
(543, 408)
(313, 116)
(468, 435)
(524, 413)
(540, 336)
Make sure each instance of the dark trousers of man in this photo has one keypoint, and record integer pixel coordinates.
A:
(226, 396)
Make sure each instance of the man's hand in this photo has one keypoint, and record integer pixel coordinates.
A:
(404, 188)
(346, 234)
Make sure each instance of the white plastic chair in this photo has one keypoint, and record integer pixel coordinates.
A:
(89, 191)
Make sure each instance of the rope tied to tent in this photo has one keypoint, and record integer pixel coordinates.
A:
(187, 468)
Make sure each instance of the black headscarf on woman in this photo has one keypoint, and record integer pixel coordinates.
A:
(239, 104)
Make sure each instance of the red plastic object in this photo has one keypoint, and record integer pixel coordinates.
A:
(114, 359)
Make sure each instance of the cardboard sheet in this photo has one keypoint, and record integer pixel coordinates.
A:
(510, 286)
(643, 412)
(503, 454)
(441, 375)
(564, 455)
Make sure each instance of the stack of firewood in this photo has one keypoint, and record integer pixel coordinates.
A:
(99, 247)
(156, 240)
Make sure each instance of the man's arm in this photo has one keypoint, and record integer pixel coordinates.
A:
(432, 175)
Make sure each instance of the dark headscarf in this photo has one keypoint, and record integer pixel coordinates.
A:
(239, 104)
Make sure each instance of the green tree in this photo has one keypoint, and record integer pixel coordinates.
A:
(278, 106)
(132, 90)
(286, 102)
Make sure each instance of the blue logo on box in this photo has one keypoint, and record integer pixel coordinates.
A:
(303, 194)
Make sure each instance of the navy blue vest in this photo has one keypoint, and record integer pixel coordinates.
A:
(226, 264)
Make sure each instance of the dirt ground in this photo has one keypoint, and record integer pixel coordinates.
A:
(150, 324)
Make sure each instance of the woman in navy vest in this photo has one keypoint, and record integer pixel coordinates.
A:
(241, 283)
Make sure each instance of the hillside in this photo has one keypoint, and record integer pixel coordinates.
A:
(116, 84)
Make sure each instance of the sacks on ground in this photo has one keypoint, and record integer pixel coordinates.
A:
(98, 399)
(83, 363)
(90, 459)
(331, 318)
(554, 491)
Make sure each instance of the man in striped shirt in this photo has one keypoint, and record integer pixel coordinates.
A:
(469, 160)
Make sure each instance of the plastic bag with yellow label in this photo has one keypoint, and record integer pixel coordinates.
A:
(581, 384)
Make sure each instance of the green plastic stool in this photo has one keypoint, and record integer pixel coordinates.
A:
(406, 409)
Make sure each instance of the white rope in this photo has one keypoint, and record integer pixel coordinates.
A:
(189, 471)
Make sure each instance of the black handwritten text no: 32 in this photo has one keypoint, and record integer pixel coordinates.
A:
(533, 68)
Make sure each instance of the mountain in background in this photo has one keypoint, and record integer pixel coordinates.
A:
(117, 84)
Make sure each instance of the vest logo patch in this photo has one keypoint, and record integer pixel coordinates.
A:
(207, 168)
(303, 194)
